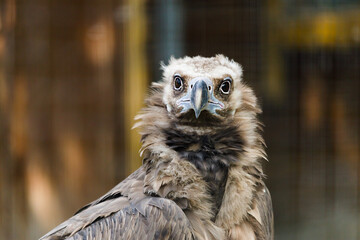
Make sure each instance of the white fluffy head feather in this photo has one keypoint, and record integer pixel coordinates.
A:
(215, 68)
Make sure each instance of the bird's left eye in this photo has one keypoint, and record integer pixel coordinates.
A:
(178, 83)
(225, 86)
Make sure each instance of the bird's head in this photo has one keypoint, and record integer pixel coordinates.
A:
(202, 88)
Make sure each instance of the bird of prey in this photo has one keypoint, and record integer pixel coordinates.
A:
(201, 176)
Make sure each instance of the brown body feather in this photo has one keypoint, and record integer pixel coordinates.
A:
(201, 178)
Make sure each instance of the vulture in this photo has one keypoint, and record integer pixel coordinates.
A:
(202, 153)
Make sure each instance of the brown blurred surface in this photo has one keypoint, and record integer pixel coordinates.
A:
(62, 115)
(74, 73)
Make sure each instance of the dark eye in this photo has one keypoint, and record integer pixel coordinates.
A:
(178, 83)
(225, 86)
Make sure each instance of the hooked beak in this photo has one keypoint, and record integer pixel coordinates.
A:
(199, 97)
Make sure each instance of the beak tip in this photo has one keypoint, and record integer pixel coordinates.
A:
(197, 114)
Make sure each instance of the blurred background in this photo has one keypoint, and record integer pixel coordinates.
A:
(73, 74)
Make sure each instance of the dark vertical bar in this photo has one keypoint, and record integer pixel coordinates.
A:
(299, 137)
(330, 73)
(167, 30)
(7, 37)
(119, 138)
(357, 77)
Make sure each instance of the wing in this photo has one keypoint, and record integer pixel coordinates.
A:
(266, 213)
(262, 214)
(126, 213)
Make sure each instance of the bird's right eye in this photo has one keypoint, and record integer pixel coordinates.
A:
(178, 83)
